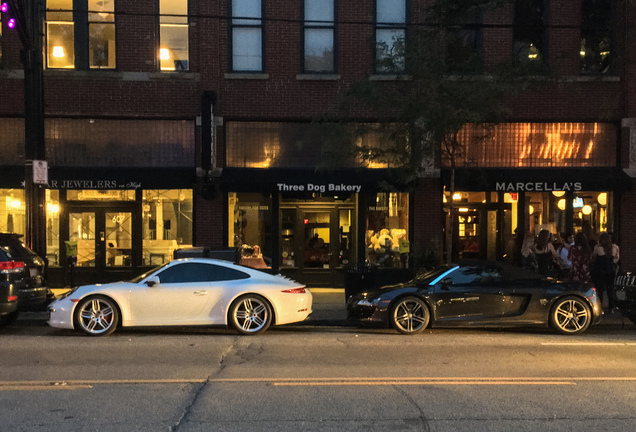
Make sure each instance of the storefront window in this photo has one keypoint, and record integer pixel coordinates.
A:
(12, 211)
(53, 227)
(593, 209)
(387, 227)
(590, 211)
(167, 223)
(250, 227)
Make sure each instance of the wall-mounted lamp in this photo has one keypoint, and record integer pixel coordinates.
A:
(602, 198)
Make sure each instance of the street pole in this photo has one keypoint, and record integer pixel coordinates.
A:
(30, 14)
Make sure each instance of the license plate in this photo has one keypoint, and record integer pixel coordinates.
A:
(33, 272)
(620, 295)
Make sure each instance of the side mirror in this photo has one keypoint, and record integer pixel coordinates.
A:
(446, 282)
(152, 281)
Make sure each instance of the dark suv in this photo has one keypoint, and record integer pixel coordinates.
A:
(22, 284)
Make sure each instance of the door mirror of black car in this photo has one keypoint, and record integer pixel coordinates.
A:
(446, 282)
(152, 281)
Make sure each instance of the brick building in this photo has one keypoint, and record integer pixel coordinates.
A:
(176, 123)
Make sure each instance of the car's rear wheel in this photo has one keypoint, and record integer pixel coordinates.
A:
(250, 314)
(409, 315)
(570, 315)
(97, 316)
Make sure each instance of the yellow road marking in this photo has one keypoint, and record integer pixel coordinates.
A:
(419, 383)
(325, 381)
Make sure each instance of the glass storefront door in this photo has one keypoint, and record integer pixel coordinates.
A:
(317, 242)
(102, 238)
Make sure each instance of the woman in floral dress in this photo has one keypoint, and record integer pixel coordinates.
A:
(580, 255)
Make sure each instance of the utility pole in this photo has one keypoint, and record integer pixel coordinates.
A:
(29, 15)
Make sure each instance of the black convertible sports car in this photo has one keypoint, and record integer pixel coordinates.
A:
(479, 293)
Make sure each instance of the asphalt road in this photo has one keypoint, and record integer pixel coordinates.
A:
(317, 376)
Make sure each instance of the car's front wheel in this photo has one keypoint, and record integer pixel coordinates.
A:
(410, 315)
(250, 314)
(97, 316)
(570, 315)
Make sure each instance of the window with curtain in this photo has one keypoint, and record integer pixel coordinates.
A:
(247, 35)
(173, 35)
(319, 34)
(390, 34)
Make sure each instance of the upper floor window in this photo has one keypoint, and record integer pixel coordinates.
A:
(596, 36)
(528, 34)
(463, 42)
(247, 36)
(319, 32)
(173, 35)
(390, 34)
(78, 40)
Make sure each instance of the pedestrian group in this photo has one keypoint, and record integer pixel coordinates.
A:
(583, 257)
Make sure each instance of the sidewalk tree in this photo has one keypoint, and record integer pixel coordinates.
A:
(427, 88)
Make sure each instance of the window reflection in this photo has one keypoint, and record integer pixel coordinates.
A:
(167, 223)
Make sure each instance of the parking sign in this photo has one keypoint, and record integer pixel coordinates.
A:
(40, 172)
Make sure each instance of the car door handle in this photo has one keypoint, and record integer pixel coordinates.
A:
(200, 293)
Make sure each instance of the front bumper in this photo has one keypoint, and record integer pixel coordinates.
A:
(61, 314)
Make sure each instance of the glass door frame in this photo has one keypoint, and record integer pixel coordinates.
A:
(318, 276)
(101, 272)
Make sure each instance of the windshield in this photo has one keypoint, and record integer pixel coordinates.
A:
(428, 276)
(145, 275)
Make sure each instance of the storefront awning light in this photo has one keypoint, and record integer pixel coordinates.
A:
(558, 193)
(587, 209)
(530, 209)
(457, 196)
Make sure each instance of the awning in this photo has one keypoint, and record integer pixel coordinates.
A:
(106, 178)
(283, 180)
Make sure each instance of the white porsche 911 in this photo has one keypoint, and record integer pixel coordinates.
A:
(189, 291)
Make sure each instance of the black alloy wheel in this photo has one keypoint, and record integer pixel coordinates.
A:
(570, 315)
(410, 315)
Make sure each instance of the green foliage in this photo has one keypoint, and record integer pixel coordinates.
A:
(426, 256)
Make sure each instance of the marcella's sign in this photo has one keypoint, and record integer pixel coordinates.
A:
(538, 186)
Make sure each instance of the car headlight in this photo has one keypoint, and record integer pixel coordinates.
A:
(366, 302)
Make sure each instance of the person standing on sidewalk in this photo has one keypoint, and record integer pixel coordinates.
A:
(580, 256)
(604, 261)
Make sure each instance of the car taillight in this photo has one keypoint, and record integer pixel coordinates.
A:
(11, 266)
(12, 298)
(295, 291)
